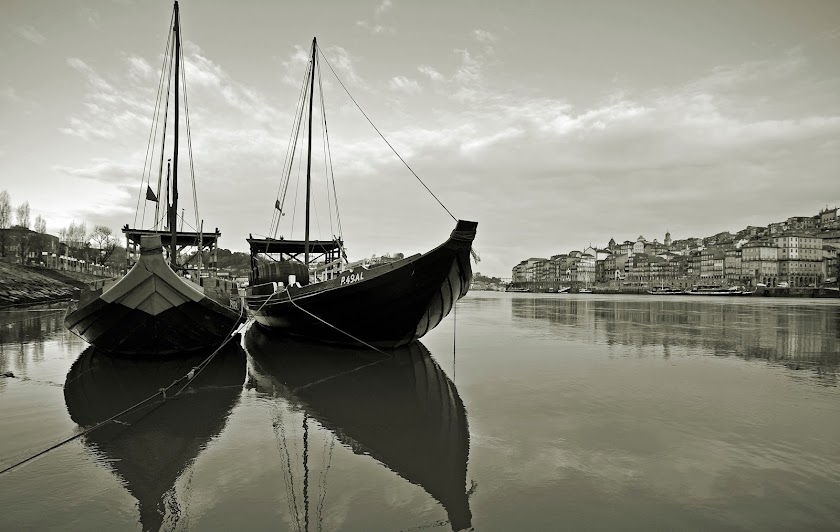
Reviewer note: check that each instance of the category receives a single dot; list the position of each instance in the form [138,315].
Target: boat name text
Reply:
[352,278]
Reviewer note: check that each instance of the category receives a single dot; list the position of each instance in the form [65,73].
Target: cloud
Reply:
[105,171]
[138,68]
[10,95]
[433,74]
[345,64]
[30,34]
[404,84]
[383,6]
[375,29]
[91,16]
[484,37]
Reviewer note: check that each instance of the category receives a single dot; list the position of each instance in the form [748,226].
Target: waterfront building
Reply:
[519,272]
[733,267]
[800,258]
[586,269]
[711,266]
[760,262]
[694,264]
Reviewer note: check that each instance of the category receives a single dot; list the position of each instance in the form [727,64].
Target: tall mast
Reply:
[309,157]
[173,212]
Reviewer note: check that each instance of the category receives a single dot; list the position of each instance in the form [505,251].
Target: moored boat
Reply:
[665,291]
[325,297]
[154,311]
[520,289]
[714,290]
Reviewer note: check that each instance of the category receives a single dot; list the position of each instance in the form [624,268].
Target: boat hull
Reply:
[151,312]
[386,306]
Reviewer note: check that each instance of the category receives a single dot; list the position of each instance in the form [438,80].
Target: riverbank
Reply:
[27,285]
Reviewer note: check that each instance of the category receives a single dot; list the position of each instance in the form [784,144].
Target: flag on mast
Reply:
[150,195]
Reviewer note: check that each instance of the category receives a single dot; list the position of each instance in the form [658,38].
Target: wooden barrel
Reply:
[280,271]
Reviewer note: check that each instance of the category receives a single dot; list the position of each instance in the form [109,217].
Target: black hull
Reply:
[151,312]
[151,447]
[402,410]
[386,306]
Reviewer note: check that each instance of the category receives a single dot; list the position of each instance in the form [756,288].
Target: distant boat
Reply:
[714,290]
[153,311]
[386,305]
[564,290]
[666,291]
[402,411]
[517,289]
[585,291]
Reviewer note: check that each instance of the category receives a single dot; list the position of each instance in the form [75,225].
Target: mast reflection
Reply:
[149,448]
[401,410]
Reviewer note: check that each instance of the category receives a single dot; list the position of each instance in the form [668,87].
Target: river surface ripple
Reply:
[543,412]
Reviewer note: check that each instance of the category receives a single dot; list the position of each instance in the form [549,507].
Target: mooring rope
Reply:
[325,322]
[189,377]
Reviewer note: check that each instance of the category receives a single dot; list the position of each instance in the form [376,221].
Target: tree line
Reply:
[97,245]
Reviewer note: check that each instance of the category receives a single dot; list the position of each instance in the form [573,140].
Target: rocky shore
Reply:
[25,285]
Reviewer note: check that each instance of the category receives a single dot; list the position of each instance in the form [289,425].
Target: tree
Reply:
[74,236]
[39,239]
[5,219]
[105,242]
[5,210]
[22,214]
[40,224]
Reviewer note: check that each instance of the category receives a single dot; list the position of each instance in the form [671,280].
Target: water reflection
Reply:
[26,329]
[403,410]
[800,336]
[151,447]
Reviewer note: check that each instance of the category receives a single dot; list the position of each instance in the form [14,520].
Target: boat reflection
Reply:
[401,410]
[151,447]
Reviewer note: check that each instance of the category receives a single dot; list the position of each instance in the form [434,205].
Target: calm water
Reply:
[552,412]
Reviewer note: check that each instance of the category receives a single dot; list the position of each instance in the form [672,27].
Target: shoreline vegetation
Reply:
[31,285]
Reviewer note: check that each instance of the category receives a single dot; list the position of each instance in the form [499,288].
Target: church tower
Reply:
[611,245]
[667,239]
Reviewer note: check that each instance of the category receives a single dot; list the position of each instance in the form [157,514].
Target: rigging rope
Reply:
[189,377]
[154,118]
[189,135]
[383,136]
[291,148]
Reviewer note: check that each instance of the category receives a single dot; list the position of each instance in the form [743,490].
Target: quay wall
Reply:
[25,285]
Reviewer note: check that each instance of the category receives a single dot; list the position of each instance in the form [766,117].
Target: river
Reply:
[520,412]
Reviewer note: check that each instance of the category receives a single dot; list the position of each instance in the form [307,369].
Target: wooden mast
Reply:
[173,210]
[309,157]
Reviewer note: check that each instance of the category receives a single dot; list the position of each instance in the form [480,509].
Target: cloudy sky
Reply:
[553,124]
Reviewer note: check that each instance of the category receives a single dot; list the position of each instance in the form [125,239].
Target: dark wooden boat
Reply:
[402,411]
[324,297]
[151,447]
[153,311]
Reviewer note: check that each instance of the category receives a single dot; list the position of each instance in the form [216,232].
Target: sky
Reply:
[553,124]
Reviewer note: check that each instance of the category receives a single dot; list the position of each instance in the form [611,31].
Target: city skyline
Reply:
[551,124]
